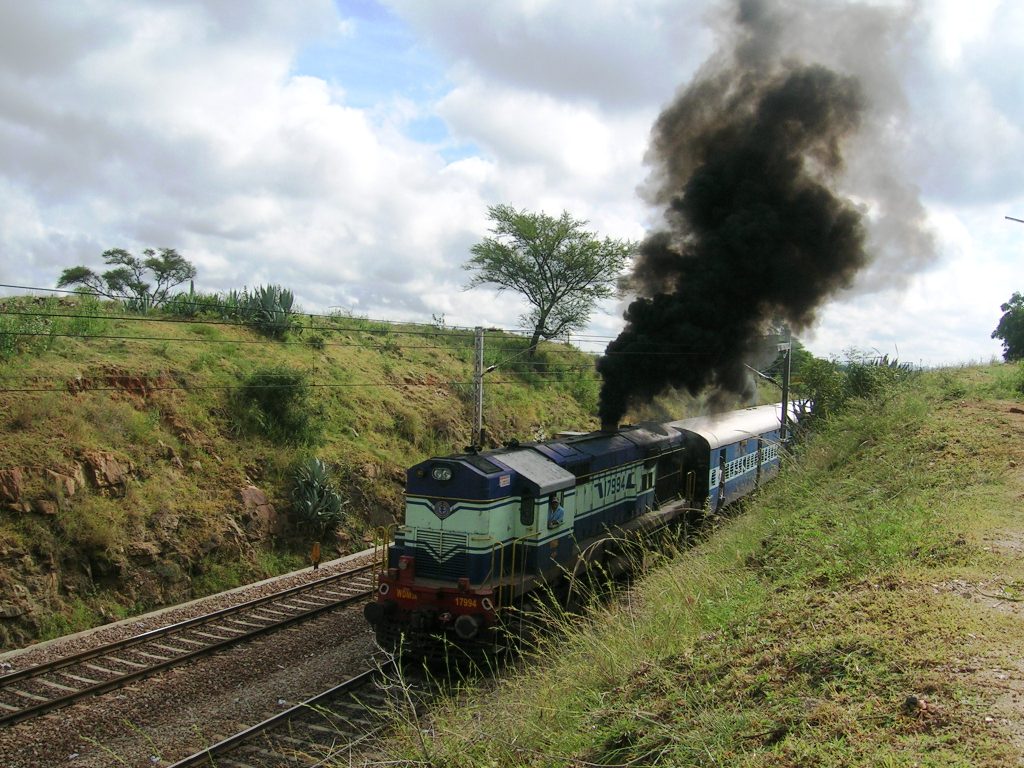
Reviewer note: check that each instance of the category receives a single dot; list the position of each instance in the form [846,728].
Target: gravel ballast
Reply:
[164,718]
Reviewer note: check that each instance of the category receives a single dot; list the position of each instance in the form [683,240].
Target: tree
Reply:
[128,279]
[556,264]
[1011,328]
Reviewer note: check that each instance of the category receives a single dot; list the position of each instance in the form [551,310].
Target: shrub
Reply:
[827,386]
[317,503]
[408,425]
[193,304]
[269,309]
[30,324]
[275,402]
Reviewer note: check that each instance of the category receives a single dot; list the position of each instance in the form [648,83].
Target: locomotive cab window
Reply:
[526,510]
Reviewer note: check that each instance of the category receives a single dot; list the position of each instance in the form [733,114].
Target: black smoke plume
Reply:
[744,159]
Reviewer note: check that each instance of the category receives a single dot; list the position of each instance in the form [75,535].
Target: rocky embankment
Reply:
[47,572]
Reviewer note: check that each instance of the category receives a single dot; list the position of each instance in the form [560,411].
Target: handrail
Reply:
[515,544]
[382,538]
[498,553]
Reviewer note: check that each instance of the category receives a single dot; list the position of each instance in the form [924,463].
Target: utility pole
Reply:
[787,348]
[478,383]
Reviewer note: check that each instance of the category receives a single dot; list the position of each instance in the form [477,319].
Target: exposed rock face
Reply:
[37,489]
[65,485]
[107,473]
[44,507]
[12,483]
[32,489]
[258,515]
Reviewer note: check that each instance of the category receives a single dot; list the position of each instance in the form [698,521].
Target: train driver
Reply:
[555,511]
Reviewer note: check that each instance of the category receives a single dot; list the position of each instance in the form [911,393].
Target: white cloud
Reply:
[190,125]
[619,54]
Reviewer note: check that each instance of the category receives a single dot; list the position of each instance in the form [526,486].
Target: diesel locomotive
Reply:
[485,529]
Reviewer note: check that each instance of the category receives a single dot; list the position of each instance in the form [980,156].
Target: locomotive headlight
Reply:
[441,473]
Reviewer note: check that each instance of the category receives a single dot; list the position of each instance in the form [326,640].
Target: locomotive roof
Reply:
[725,428]
[542,475]
[653,438]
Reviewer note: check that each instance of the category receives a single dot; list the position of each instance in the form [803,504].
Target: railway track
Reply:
[33,691]
[332,724]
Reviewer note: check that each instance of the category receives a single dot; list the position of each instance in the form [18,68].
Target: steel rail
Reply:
[205,756]
[38,671]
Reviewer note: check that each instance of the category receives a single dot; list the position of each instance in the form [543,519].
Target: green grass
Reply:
[376,398]
[794,633]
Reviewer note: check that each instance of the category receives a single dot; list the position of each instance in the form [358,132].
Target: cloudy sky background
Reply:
[349,150]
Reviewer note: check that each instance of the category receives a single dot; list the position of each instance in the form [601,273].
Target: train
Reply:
[485,529]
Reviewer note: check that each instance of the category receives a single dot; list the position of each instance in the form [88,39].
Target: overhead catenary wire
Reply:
[67,389]
[333,327]
[332,317]
[114,371]
[183,340]
[333,322]
[275,342]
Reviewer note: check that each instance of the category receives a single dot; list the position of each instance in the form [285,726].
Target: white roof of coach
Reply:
[726,428]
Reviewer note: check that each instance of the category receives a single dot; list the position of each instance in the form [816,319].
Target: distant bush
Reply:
[317,503]
[875,377]
[192,303]
[267,309]
[824,387]
[31,325]
[408,425]
[276,403]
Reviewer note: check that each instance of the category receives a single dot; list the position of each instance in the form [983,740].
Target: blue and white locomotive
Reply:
[482,530]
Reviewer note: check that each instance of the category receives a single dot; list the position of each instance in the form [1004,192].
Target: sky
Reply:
[349,150]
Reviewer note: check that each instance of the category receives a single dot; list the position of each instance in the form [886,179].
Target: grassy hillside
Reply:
[129,443]
[864,609]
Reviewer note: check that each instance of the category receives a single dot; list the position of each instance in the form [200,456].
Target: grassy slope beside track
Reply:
[865,609]
[158,395]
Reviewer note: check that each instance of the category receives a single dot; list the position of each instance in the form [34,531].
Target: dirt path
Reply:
[999,671]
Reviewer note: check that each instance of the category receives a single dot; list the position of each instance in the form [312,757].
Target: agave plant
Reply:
[317,503]
[232,305]
[188,303]
[140,305]
[270,309]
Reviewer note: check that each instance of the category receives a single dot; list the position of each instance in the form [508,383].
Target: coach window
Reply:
[526,510]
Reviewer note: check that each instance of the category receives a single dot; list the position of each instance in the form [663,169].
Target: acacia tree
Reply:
[560,267]
[1011,328]
[128,279]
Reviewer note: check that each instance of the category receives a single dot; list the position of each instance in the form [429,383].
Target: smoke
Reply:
[746,165]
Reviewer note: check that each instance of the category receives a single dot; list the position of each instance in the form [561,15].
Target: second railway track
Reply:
[330,725]
[35,690]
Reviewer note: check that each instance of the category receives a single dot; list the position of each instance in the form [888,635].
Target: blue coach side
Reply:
[732,453]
